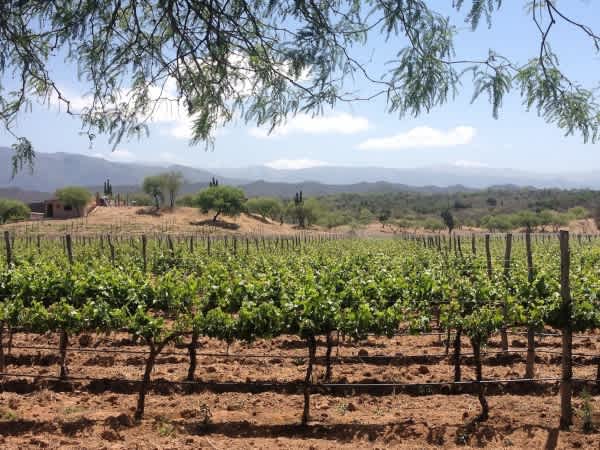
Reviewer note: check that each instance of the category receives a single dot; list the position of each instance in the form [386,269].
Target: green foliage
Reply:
[227,200]
[154,186]
[107,190]
[13,210]
[24,153]
[250,68]
[358,287]
[140,199]
[304,212]
[171,183]
[433,224]
[448,219]
[266,207]
[578,213]
[415,207]
[74,196]
[384,215]
[498,222]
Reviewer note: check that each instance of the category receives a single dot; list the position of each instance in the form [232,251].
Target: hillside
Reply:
[56,170]
[182,220]
[24,195]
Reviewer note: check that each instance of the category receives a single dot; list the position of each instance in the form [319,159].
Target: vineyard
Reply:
[296,321]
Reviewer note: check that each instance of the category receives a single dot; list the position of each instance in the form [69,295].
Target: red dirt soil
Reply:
[84,414]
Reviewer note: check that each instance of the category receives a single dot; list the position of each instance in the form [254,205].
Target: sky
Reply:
[459,133]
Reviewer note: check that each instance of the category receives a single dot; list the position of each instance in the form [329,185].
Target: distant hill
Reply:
[287,190]
[23,195]
[56,170]
[441,176]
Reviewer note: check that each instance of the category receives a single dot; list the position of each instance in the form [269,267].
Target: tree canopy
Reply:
[172,182]
[227,200]
[266,207]
[12,210]
[263,61]
[154,186]
[74,196]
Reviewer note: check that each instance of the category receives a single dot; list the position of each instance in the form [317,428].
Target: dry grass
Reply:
[180,220]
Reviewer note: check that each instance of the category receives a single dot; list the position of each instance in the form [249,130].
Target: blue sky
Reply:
[361,134]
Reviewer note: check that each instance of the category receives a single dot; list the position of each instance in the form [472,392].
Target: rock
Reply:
[423,370]
[188,413]
[121,421]
[211,369]
[518,343]
[363,352]
[13,403]
[110,435]
[85,340]
[351,407]
[38,443]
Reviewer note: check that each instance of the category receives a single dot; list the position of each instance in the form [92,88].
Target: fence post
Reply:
[566,387]
[530,366]
[507,252]
[170,245]
[144,256]
[112,249]
[488,256]
[69,244]
[8,247]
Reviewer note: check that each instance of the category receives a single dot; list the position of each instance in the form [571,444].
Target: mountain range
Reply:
[55,170]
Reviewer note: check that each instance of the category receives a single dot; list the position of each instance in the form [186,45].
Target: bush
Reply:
[265,207]
[499,222]
[154,186]
[140,199]
[187,200]
[578,213]
[226,200]
[432,224]
[13,210]
[74,196]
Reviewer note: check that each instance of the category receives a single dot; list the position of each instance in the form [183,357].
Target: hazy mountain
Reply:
[311,188]
[474,177]
[23,195]
[54,170]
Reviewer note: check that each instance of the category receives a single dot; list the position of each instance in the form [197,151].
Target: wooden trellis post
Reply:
[566,384]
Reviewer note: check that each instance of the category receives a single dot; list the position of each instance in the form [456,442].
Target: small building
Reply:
[56,209]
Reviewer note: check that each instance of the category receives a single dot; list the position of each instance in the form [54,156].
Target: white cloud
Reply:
[77,102]
[342,123]
[119,155]
[295,164]
[422,137]
[180,129]
[469,164]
